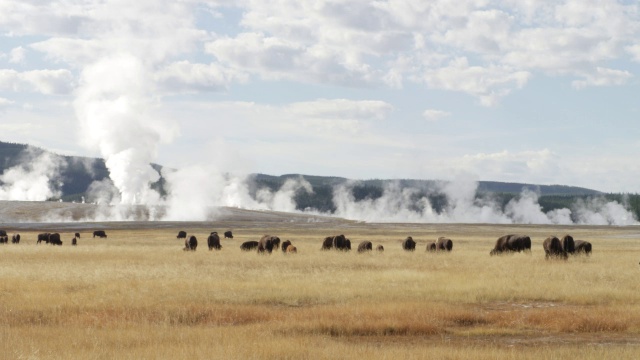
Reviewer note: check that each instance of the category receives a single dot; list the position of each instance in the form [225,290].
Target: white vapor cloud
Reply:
[48,82]
[434,115]
[412,205]
[36,178]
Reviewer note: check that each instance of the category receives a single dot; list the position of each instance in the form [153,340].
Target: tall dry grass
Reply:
[138,295]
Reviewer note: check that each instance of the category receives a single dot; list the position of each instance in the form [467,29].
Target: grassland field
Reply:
[137,295]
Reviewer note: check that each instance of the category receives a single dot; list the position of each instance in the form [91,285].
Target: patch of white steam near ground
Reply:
[399,204]
[195,192]
[31,180]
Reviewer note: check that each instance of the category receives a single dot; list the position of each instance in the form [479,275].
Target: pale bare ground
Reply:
[137,295]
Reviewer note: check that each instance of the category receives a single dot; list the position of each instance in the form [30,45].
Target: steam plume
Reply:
[36,178]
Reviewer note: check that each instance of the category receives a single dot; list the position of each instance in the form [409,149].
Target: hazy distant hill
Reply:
[77,174]
[483,186]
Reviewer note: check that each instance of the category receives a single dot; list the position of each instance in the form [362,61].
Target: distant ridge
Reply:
[483,186]
[78,173]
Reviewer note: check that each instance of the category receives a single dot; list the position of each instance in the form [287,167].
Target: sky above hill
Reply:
[517,90]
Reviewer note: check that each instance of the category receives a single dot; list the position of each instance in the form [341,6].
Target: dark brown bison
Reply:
[327,244]
[267,243]
[54,239]
[276,243]
[444,244]
[191,244]
[553,247]
[228,235]
[285,244]
[15,239]
[431,247]
[511,243]
[43,237]
[568,244]
[77,235]
[3,233]
[408,244]
[181,235]
[519,243]
[502,245]
[380,248]
[214,241]
[365,246]
[4,239]
[340,242]
[291,249]
[100,234]
[248,245]
[582,247]
[74,241]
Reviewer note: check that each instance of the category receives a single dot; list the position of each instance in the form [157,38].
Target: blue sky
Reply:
[524,91]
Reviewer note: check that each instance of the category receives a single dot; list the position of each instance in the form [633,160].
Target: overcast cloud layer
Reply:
[527,91]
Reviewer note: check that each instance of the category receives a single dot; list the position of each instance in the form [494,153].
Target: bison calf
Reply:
[365,246]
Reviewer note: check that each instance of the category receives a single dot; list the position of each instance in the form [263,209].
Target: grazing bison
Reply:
[431,247]
[181,235]
[365,246]
[582,246]
[191,244]
[380,248]
[74,241]
[4,239]
[502,245]
[267,243]
[553,247]
[44,237]
[285,245]
[248,245]
[100,234]
[339,242]
[291,249]
[568,244]
[327,244]
[444,244]
[511,243]
[54,239]
[408,244]
[276,243]
[214,241]
[15,239]
[519,243]
[228,235]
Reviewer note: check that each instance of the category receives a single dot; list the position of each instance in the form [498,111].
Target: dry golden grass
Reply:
[138,295]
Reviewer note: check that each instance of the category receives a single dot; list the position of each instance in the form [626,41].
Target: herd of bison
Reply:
[553,246]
